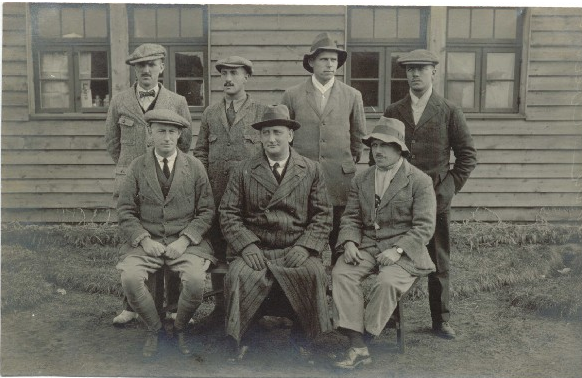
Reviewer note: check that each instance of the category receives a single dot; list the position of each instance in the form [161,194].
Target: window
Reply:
[70,45]
[377,36]
[483,58]
[182,30]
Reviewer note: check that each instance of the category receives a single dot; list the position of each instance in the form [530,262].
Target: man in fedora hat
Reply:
[226,137]
[389,219]
[276,218]
[434,126]
[125,127]
[165,208]
[332,120]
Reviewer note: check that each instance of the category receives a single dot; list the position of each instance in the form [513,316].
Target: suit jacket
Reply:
[442,127]
[332,137]
[220,147]
[255,209]
[406,217]
[126,130]
[188,209]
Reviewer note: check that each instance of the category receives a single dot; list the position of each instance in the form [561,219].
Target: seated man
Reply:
[165,208]
[389,219]
[276,217]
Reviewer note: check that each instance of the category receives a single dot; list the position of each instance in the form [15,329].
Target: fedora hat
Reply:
[323,42]
[389,130]
[276,115]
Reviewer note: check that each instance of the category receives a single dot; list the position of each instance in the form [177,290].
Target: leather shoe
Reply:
[125,317]
[183,345]
[150,348]
[444,330]
[355,357]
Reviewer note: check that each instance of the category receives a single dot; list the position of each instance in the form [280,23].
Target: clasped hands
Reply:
[253,256]
[353,256]
[171,251]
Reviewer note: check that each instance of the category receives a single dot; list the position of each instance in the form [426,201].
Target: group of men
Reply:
[269,188]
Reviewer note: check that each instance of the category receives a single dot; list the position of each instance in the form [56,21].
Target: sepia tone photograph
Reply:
[291,190]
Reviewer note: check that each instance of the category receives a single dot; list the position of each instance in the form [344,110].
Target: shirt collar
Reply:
[237,103]
[281,162]
[320,87]
[170,158]
[423,100]
[156,89]
[393,170]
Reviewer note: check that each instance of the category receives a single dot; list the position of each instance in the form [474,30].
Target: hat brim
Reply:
[171,123]
[219,67]
[367,140]
[342,56]
[293,125]
[417,62]
[131,62]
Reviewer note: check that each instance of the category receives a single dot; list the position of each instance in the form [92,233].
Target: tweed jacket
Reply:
[442,127]
[255,209]
[220,147]
[332,137]
[406,217]
[188,209]
[126,130]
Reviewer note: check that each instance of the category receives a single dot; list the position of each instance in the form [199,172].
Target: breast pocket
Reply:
[401,211]
[127,127]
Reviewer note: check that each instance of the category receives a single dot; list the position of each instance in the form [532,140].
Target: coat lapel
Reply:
[241,112]
[310,89]
[222,116]
[151,175]
[293,177]
[133,105]
[369,188]
[261,172]
[405,110]
[180,172]
[431,109]
[333,99]
[399,181]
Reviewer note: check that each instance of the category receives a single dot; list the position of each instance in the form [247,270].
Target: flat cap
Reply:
[235,62]
[145,52]
[166,116]
[419,56]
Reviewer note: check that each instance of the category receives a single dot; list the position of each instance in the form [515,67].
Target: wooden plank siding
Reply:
[55,168]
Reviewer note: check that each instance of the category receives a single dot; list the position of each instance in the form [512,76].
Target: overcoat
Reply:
[126,130]
[188,209]
[332,137]
[441,128]
[276,217]
[405,217]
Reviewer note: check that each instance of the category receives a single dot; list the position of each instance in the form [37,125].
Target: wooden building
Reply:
[517,72]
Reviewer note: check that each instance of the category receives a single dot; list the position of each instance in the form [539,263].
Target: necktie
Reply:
[166,168]
[230,113]
[276,172]
[150,93]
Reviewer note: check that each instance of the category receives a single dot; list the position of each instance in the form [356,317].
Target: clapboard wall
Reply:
[56,169]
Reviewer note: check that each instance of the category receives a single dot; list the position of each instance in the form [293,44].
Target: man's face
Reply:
[275,140]
[165,138]
[324,66]
[420,77]
[148,72]
[385,154]
[234,80]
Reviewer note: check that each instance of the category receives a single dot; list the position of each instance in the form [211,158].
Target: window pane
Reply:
[461,93]
[482,23]
[408,23]
[500,66]
[54,94]
[459,23]
[362,23]
[73,23]
[168,22]
[461,66]
[93,65]
[397,70]
[499,94]
[365,65]
[193,90]
[48,22]
[143,26]
[385,23]
[192,24]
[54,65]
[505,23]
[96,22]
[398,90]
[369,90]
[189,64]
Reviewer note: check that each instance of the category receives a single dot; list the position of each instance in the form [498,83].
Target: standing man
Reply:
[276,218]
[125,127]
[332,120]
[434,126]
[226,137]
[165,208]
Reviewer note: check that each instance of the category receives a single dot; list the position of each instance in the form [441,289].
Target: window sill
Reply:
[197,115]
[483,116]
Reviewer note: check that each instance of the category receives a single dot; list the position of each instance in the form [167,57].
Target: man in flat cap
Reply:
[434,127]
[165,208]
[275,216]
[389,219]
[125,127]
[333,122]
[226,137]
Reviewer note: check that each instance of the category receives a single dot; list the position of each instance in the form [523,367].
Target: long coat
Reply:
[406,217]
[220,147]
[188,209]
[332,137]
[441,128]
[126,130]
[276,217]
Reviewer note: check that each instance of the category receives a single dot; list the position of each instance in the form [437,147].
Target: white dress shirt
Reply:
[418,104]
[323,90]
[383,178]
[171,160]
[281,164]
[145,102]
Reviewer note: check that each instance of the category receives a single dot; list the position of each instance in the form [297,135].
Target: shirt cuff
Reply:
[141,237]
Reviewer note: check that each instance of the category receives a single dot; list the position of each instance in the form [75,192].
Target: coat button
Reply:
[267,211]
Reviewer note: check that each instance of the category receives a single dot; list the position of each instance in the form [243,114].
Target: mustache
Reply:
[229,84]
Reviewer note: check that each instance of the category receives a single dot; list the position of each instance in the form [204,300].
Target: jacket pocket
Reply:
[348,167]
[127,126]
[444,191]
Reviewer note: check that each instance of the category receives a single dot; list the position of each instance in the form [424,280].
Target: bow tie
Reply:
[143,94]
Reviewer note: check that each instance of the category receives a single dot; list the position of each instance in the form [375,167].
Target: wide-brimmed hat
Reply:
[323,42]
[235,62]
[277,115]
[389,130]
[166,116]
[420,57]
[145,52]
